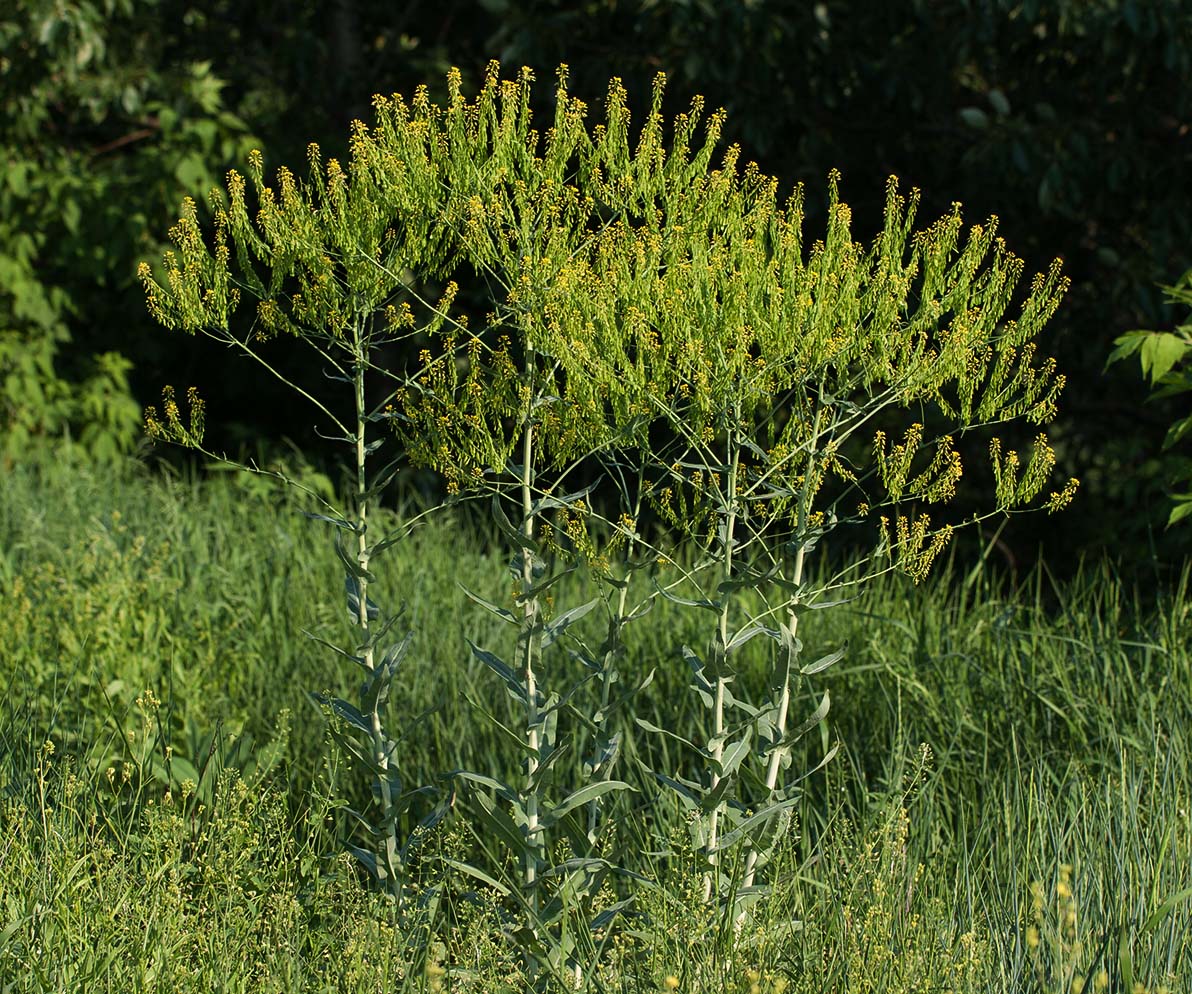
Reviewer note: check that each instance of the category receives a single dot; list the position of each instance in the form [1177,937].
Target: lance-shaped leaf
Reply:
[667,733]
[348,712]
[503,613]
[703,602]
[818,715]
[734,754]
[331,520]
[505,526]
[546,765]
[352,589]
[358,660]
[503,790]
[578,798]
[825,661]
[538,588]
[548,502]
[558,625]
[748,632]
[511,737]
[477,874]
[512,681]
[753,823]
[351,563]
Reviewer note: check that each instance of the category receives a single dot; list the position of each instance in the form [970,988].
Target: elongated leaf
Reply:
[735,754]
[746,580]
[605,917]
[503,613]
[358,660]
[748,632]
[548,502]
[502,669]
[369,860]
[791,791]
[351,563]
[579,864]
[395,654]
[689,793]
[352,588]
[358,751]
[547,764]
[755,821]
[542,585]
[349,713]
[582,796]
[507,733]
[505,526]
[483,780]
[641,612]
[501,826]
[666,732]
[376,689]
[732,701]
[338,522]
[378,632]
[825,661]
[558,625]
[713,798]
[818,715]
[478,874]
[697,667]
[1125,958]
[686,602]
[1167,907]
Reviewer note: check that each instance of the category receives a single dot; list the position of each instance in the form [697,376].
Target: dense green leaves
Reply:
[1163,355]
[99,133]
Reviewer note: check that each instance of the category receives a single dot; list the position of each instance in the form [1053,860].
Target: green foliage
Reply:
[1162,355]
[1056,719]
[98,132]
[656,315]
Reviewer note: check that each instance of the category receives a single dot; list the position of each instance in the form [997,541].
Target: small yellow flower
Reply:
[671,983]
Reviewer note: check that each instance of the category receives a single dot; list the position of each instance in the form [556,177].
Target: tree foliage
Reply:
[99,132]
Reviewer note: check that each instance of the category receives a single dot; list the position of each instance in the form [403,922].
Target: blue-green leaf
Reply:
[558,625]
[502,669]
[503,613]
[825,661]
[582,796]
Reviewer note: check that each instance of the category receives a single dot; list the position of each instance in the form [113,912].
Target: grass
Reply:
[1009,810]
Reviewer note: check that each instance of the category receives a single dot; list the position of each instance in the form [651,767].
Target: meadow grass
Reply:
[1009,810]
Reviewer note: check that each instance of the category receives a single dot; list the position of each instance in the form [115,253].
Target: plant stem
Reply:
[530,642]
[380,755]
[720,652]
[789,637]
[613,649]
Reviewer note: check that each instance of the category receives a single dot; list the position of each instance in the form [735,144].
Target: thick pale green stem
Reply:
[774,764]
[721,652]
[380,754]
[530,649]
[613,650]
[529,622]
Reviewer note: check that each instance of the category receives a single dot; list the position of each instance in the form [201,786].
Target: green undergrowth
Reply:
[1009,810]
